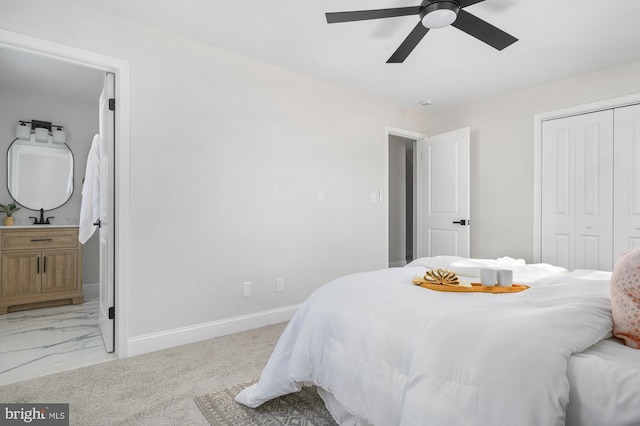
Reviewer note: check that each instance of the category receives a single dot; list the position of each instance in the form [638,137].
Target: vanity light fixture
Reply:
[58,135]
[43,131]
[42,134]
[23,130]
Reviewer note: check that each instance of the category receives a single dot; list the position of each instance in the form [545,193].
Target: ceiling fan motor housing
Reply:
[439,14]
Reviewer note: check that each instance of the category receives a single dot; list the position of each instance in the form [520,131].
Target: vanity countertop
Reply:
[52,225]
[28,224]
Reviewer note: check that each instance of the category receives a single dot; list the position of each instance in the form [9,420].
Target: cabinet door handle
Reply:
[35,240]
[38,268]
[44,267]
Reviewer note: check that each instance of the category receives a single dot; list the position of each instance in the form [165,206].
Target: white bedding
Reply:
[605,385]
[604,378]
[392,353]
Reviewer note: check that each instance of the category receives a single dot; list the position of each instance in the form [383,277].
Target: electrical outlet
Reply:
[246,288]
[279,284]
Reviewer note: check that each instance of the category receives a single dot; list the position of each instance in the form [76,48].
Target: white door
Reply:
[106,231]
[443,194]
[577,191]
[558,196]
[626,230]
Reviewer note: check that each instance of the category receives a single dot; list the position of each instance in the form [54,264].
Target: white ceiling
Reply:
[557,39]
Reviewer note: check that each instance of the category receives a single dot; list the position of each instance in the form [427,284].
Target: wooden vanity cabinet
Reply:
[39,267]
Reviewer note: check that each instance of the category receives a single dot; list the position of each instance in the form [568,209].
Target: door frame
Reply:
[538,119]
[120,68]
[407,134]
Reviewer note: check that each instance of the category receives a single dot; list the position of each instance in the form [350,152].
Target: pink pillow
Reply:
[625,298]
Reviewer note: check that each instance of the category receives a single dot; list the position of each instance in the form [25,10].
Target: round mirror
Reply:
[39,175]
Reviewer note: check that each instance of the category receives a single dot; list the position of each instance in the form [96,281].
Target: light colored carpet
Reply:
[152,389]
[304,408]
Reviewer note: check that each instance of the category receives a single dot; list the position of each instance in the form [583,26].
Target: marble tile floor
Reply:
[44,341]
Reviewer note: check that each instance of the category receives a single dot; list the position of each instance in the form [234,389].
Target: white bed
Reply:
[383,351]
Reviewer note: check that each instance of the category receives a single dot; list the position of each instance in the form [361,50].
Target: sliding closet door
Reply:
[577,191]
[627,179]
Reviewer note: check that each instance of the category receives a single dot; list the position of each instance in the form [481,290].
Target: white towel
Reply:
[90,206]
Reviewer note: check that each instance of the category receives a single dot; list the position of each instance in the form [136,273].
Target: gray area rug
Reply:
[304,408]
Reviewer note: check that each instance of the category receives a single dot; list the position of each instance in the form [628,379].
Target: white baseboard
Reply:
[181,336]
[90,289]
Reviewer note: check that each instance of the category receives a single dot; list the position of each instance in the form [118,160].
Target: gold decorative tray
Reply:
[475,287]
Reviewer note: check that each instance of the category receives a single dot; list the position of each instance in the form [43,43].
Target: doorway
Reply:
[120,174]
[402,200]
[428,195]
[37,87]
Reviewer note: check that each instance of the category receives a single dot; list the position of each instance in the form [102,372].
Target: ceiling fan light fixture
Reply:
[439,14]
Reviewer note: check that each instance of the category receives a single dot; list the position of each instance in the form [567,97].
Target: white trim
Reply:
[120,68]
[538,119]
[388,131]
[209,330]
[403,133]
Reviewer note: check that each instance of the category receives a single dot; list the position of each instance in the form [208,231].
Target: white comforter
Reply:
[392,353]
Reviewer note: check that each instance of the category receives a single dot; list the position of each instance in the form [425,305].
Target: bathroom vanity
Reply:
[39,266]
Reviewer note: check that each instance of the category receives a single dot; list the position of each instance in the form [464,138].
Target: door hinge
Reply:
[112,104]
[112,312]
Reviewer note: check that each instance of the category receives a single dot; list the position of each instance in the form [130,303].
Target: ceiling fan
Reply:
[433,14]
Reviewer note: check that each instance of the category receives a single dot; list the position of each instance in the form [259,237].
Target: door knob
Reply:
[460,222]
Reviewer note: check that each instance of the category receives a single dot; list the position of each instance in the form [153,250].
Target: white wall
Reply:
[502,153]
[239,172]
[80,121]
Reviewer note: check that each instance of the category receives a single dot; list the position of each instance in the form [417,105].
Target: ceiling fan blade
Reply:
[409,43]
[362,15]
[465,3]
[482,30]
